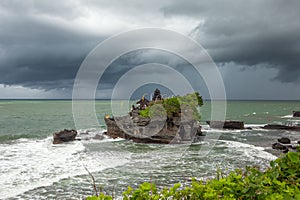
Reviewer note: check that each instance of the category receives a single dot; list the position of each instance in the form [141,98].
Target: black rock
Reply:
[227,124]
[64,136]
[279,146]
[199,131]
[284,140]
[167,133]
[285,151]
[296,113]
[294,147]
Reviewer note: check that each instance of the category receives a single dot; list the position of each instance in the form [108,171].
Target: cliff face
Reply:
[145,130]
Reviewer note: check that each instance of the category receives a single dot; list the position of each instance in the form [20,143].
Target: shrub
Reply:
[280,181]
[174,105]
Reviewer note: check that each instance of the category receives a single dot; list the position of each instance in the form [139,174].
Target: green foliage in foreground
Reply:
[280,181]
[173,106]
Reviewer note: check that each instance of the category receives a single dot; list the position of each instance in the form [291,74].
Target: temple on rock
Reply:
[169,120]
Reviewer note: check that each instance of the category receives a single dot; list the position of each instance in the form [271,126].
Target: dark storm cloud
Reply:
[136,58]
[42,43]
[129,61]
[248,32]
[37,53]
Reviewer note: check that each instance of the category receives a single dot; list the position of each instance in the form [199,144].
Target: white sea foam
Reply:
[28,164]
[251,152]
[215,130]
[254,125]
[206,127]
[287,116]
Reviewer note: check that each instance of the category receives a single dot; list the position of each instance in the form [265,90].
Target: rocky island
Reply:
[165,121]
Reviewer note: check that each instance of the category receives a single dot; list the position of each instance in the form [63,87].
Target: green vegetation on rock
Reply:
[280,181]
[174,105]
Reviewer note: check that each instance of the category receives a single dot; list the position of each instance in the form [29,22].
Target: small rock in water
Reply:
[285,151]
[285,145]
[279,146]
[296,113]
[284,140]
[64,136]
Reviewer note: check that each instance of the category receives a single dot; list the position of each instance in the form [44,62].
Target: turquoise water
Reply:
[32,168]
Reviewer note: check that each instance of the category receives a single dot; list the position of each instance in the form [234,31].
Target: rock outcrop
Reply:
[281,127]
[296,113]
[284,140]
[143,130]
[64,136]
[170,120]
[228,124]
[285,145]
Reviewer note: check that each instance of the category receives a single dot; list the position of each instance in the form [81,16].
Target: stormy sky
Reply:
[255,44]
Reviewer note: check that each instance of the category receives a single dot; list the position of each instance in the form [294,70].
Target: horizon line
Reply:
[107,99]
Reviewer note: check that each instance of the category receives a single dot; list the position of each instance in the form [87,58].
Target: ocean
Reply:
[31,167]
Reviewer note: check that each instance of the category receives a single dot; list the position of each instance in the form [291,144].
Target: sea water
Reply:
[31,167]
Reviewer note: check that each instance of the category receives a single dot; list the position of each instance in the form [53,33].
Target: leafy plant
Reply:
[175,105]
[100,197]
[145,112]
[280,181]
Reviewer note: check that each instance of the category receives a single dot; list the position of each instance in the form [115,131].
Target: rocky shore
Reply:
[285,145]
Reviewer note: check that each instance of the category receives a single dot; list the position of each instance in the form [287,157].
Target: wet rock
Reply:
[285,145]
[284,140]
[199,131]
[165,131]
[64,136]
[294,147]
[279,146]
[296,113]
[286,150]
[228,124]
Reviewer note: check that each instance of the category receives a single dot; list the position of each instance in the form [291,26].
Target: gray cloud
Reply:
[37,54]
[132,59]
[248,33]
